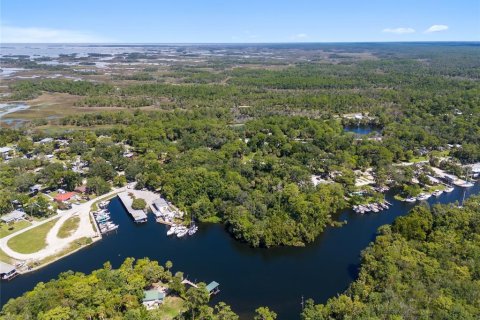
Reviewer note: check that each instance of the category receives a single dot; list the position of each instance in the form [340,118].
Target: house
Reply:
[35,188]
[152,298]
[450,178]
[4,151]
[13,216]
[45,140]
[81,189]
[61,197]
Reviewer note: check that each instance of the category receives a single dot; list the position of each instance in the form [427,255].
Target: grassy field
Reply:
[32,240]
[6,229]
[68,227]
[5,258]
[75,245]
[170,308]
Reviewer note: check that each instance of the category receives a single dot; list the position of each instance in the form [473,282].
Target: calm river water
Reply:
[248,277]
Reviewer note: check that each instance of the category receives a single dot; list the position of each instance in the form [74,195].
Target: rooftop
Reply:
[160,202]
[6,268]
[138,215]
[153,295]
[212,286]
[14,215]
[64,196]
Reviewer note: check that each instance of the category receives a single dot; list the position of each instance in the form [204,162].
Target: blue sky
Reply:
[180,21]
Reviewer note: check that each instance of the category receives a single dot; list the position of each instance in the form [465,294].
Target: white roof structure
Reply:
[13,216]
[6,268]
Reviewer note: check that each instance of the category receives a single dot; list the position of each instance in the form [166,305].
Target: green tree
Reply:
[196,298]
[98,186]
[264,313]
[139,204]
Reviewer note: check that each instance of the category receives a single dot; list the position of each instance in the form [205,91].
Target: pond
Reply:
[361,130]
[248,277]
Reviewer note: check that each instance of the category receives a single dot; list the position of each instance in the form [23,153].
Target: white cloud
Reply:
[299,36]
[436,28]
[11,34]
[399,30]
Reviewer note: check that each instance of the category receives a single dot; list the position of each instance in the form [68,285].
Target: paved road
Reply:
[55,244]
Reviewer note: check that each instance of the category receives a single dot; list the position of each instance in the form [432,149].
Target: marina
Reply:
[214,254]
[139,216]
[104,223]
[372,207]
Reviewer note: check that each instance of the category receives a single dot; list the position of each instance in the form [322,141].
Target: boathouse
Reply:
[213,287]
[137,215]
[7,271]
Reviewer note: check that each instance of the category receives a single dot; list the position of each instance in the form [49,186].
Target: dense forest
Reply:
[424,266]
[110,293]
[237,140]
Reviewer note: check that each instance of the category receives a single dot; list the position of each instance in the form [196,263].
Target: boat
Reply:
[182,232]
[172,230]
[424,196]
[467,185]
[192,230]
[411,199]
[437,193]
[449,189]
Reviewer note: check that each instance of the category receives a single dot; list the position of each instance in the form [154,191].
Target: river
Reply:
[248,277]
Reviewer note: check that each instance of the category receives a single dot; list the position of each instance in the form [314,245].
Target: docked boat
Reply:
[449,189]
[467,185]
[172,230]
[192,230]
[437,193]
[182,232]
[411,199]
[424,196]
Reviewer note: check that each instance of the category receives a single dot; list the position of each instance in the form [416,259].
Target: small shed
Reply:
[213,287]
[13,216]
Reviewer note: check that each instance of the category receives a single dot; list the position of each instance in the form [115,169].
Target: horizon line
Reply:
[249,43]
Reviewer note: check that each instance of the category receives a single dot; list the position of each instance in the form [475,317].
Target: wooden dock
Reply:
[137,215]
[186,281]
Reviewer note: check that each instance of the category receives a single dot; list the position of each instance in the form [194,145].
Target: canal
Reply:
[248,277]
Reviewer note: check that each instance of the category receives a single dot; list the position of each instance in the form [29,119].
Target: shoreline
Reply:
[91,240]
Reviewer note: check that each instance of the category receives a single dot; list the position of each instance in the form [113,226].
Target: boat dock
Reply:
[137,215]
[7,271]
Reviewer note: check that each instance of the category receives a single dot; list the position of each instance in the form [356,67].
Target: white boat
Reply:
[172,230]
[182,232]
[437,193]
[449,189]
[411,199]
[424,196]
[467,185]
[192,230]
